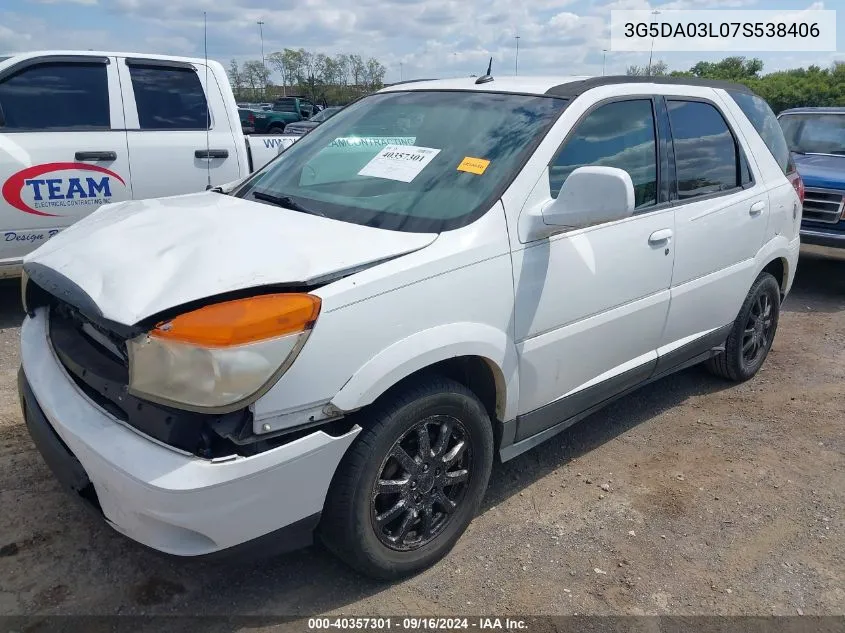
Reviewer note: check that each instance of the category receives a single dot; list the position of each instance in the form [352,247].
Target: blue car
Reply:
[816,138]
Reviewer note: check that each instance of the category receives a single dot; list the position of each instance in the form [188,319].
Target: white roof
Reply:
[525,85]
[175,58]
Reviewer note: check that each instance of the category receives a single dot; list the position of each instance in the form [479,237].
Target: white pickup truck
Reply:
[82,129]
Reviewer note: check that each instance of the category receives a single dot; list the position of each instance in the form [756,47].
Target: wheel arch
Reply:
[478,356]
[778,257]
[779,269]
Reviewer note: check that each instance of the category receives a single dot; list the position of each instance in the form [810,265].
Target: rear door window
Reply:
[169,98]
[707,157]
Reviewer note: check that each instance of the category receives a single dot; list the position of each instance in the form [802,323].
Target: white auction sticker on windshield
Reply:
[399,162]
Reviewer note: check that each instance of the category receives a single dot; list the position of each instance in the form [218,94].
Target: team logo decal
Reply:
[47,189]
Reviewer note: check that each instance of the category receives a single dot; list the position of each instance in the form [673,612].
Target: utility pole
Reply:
[263,63]
[648,73]
[603,60]
[516,62]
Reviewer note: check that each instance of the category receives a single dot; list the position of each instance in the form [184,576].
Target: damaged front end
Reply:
[95,354]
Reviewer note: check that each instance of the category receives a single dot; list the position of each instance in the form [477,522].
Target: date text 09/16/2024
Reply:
[416,623]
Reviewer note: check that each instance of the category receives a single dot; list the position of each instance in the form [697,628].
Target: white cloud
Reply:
[429,38]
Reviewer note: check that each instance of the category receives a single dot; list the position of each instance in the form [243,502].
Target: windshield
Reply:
[418,161]
[815,133]
[324,114]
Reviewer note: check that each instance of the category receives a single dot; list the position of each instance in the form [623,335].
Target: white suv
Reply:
[443,272]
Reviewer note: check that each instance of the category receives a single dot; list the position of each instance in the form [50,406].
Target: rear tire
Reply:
[411,483]
[752,333]
[276,129]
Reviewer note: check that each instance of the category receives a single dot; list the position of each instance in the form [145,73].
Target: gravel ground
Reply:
[692,496]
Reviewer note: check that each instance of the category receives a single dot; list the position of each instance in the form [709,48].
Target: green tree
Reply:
[658,68]
[374,74]
[729,69]
[236,78]
[288,64]
[256,75]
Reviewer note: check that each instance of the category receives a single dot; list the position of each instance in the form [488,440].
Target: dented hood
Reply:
[132,260]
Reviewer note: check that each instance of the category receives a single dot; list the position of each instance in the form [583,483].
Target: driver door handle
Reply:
[95,156]
[211,153]
[658,238]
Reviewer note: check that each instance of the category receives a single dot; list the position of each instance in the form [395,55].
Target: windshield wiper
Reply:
[285,201]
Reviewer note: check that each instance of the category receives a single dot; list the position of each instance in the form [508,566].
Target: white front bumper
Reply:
[169,500]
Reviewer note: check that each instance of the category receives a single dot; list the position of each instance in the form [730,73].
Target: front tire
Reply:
[411,483]
[752,333]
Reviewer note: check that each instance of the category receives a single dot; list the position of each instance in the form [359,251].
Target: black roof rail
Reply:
[409,81]
[576,88]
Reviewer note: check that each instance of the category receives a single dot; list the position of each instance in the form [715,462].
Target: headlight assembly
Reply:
[218,358]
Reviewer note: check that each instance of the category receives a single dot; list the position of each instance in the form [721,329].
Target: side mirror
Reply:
[591,195]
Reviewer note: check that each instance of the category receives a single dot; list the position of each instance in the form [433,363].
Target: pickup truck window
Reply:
[57,96]
[169,98]
[706,154]
[816,132]
[619,134]
[418,161]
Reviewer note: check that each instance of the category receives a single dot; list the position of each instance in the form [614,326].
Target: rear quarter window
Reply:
[767,126]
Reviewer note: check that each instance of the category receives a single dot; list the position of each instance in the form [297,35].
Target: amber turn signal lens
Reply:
[242,320]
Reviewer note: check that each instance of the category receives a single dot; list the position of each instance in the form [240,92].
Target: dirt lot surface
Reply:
[692,496]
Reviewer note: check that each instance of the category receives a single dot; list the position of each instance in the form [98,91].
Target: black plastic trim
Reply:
[211,153]
[669,362]
[145,62]
[569,407]
[533,428]
[576,88]
[669,183]
[53,59]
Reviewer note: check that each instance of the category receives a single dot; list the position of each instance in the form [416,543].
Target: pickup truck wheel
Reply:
[752,333]
[413,480]
[276,128]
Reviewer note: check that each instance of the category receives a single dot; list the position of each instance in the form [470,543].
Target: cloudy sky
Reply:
[417,38]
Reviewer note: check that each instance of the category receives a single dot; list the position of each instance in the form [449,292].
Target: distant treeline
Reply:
[335,79]
[811,86]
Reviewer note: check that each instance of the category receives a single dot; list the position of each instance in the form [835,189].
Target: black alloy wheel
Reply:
[752,333]
[413,479]
[421,483]
[757,336]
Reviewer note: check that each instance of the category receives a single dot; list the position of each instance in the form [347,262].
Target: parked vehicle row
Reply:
[83,129]
[339,344]
[303,127]
[255,106]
